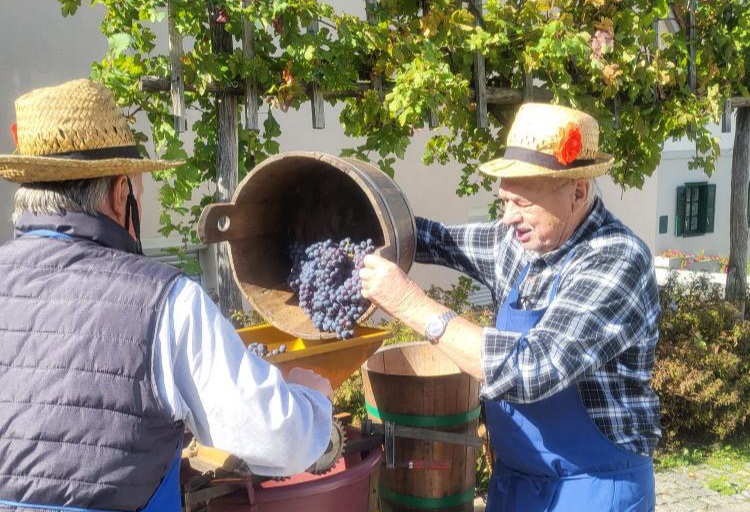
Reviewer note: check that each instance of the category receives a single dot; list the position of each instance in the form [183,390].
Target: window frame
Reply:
[696,209]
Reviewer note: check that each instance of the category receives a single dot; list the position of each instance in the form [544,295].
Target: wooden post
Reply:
[528,86]
[726,117]
[657,40]
[372,19]
[226,167]
[251,89]
[318,116]
[503,96]
[738,226]
[480,80]
[432,117]
[692,79]
[177,87]
[616,104]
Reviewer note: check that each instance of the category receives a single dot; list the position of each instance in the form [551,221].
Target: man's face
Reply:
[541,211]
[138,188]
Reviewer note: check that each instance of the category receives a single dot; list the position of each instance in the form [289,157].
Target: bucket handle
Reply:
[215,224]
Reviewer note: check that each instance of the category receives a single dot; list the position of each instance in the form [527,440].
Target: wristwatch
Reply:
[436,325]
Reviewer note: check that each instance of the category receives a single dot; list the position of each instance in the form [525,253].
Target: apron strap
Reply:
[558,274]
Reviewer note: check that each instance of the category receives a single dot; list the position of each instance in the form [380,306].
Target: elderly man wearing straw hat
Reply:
[105,354]
[566,369]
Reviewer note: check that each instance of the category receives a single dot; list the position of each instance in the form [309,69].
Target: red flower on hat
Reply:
[14,133]
[569,146]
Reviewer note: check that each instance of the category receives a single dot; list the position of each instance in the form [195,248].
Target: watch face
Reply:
[435,328]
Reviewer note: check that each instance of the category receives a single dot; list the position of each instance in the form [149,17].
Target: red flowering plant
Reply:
[570,144]
[688,259]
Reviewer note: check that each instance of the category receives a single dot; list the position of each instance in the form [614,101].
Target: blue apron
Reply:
[166,498]
[551,456]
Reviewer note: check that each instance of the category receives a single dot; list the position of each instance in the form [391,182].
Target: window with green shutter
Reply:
[696,209]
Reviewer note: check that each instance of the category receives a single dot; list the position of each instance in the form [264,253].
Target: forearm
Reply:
[461,341]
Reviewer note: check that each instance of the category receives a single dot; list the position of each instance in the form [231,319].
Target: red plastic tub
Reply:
[348,487]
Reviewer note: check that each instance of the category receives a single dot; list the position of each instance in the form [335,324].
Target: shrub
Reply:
[702,371]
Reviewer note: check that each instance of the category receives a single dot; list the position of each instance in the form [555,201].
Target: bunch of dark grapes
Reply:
[325,276]
[261,349]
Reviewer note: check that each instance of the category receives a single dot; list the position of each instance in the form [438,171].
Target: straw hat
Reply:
[72,131]
[553,141]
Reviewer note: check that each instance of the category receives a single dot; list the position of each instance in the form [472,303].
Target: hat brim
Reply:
[502,168]
[34,169]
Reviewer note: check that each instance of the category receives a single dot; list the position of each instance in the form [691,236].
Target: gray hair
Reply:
[594,192]
[59,197]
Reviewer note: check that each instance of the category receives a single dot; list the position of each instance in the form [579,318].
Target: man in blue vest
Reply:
[566,368]
[106,355]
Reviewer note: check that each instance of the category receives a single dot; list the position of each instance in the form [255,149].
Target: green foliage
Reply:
[241,319]
[702,372]
[349,397]
[601,56]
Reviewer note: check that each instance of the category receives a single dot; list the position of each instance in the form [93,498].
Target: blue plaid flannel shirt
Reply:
[599,332]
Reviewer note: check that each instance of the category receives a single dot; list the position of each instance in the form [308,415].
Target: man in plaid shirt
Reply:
[567,367]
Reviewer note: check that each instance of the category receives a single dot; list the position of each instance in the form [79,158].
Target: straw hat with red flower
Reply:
[551,141]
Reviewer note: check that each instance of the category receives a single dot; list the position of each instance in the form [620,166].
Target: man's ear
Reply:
[118,198]
[581,193]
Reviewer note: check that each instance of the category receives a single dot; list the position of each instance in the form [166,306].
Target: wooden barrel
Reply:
[415,385]
[305,197]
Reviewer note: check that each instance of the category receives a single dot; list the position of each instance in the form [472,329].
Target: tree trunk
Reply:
[738,227]
[226,168]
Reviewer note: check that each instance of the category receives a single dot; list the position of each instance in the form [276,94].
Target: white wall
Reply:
[635,208]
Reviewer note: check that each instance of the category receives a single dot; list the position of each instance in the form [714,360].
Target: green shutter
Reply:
[663,224]
[710,207]
[679,217]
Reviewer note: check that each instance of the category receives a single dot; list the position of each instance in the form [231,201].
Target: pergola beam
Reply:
[494,95]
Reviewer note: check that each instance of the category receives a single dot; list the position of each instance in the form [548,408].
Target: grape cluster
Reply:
[325,276]
[261,349]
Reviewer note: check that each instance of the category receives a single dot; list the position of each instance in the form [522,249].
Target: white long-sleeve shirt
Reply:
[229,398]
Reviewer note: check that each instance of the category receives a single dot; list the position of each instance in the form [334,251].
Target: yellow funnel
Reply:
[334,359]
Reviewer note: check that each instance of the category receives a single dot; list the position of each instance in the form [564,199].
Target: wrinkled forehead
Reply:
[530,188]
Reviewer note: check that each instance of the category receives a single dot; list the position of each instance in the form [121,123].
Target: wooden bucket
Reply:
[306,197]
[416,385]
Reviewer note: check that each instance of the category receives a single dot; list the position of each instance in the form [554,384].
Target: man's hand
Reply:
[385,284]
[310,379]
